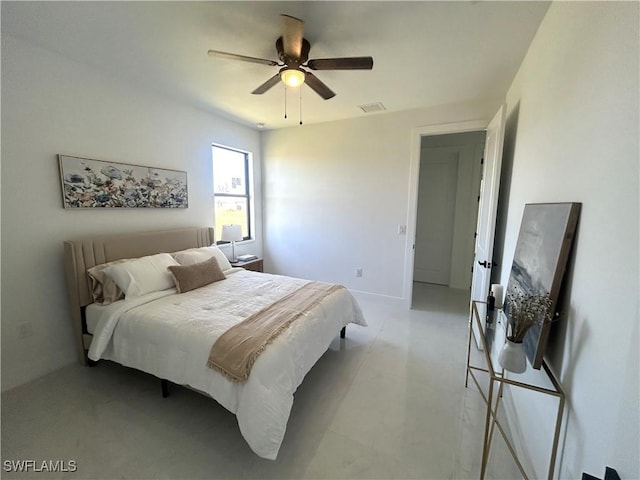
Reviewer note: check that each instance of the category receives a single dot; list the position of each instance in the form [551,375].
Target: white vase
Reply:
[512,357]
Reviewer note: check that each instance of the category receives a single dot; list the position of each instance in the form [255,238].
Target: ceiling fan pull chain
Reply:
[300,87]
[285,100]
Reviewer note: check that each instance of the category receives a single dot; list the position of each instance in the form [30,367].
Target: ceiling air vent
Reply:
[372,107]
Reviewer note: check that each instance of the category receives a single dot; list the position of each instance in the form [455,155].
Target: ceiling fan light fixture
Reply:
[292,77]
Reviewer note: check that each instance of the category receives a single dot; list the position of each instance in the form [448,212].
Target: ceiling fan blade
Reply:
[267,85]
[317,86]
[347,63]
[292,34]
[233,56]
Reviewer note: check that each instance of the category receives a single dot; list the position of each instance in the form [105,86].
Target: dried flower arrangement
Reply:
[526,310]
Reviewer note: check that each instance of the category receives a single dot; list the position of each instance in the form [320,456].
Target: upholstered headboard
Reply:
[84,253]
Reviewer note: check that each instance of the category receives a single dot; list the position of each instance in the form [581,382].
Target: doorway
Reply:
[448,187]
[449,170]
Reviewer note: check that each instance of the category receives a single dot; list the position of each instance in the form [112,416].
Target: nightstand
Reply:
[254,265]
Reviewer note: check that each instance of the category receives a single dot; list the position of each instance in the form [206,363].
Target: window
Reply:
[232,190]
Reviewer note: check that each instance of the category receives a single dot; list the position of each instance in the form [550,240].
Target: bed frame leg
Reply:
[91,363]
[343,332]
[165,388]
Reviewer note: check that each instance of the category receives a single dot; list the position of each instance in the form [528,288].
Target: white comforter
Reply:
[170,336]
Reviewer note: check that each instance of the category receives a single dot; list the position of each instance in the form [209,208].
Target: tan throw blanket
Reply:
[236,350]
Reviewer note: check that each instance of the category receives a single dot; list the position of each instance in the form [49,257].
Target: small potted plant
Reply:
[523,311]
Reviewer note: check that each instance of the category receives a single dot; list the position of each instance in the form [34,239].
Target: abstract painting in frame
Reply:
[88,183]
[539,262]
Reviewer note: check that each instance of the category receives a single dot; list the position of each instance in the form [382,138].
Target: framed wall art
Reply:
[88,183]
[539,262]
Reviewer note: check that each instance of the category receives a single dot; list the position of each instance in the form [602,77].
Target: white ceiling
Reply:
[425,53]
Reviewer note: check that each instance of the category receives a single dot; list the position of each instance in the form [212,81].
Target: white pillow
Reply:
[202,254]
[143,275]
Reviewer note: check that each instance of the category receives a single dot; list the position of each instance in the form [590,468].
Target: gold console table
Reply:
[498,378]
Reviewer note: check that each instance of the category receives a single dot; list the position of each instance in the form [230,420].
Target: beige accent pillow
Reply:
[103,289]
[190,277]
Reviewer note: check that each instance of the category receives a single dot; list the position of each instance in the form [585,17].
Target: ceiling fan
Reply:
[293,52]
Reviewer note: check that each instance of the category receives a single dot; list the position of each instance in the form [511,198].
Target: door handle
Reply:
[485,264]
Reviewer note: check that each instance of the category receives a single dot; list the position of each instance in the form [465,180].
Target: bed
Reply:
[170,335]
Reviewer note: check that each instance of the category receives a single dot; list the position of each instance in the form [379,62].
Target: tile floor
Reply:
[388,402]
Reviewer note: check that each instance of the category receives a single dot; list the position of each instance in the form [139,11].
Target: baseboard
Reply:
[514,432]
[376,297]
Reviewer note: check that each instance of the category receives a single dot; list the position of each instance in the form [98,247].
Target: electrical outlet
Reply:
[25,330]
[402,229]
[358,272]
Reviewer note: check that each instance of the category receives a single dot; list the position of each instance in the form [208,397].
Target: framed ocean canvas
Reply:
[540,259]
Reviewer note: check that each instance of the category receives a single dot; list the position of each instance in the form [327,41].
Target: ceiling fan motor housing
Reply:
[293,61]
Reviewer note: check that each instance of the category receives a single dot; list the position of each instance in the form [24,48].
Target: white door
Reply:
[436,214]
[487,210]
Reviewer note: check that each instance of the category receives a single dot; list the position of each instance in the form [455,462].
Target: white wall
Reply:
[335,194]
[51,105]
[573,136]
